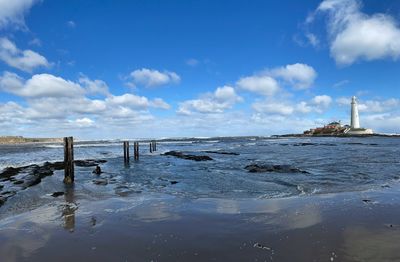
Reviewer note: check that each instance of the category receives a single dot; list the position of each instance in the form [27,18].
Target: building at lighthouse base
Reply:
[359,131]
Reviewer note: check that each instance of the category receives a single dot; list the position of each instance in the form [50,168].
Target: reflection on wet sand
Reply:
[68,210]
[288,213]
[159,211]
[363,244]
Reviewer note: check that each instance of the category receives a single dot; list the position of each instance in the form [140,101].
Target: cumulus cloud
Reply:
[25,60]
[317,104]
[12,12]
[152,78]
[322,100]
[261,84]
[356,36]
[94,86]
[269,82]
[300,76]
[159,103]
[223,98]
[41,85]
[50,99]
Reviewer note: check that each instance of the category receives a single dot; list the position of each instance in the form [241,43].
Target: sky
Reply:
[109,69]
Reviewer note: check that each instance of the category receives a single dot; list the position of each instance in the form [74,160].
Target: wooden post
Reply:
[136,150]
[151,147]
[126,151]
[68,160]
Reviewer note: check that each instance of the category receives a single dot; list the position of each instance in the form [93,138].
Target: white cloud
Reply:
[356,36]
[322,101]
[223,98]
[25,60]
[273,108]
[317,104]
[267,83]
[41,85]
[128,100]
[94,86]
[152,78]
[12,12]
[159,103]
[84,122]
[304,108]
[261,84]
[300,76]
[54,102]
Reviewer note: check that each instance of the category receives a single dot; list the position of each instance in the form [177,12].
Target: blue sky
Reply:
[127,69]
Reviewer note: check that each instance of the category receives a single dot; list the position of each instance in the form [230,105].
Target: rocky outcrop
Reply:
[254,168]
[187,156]
[14,179]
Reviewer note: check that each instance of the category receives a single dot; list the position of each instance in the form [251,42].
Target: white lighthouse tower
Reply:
[355,128]
[355,119]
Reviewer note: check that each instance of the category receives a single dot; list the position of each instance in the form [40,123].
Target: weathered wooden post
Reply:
[68,160]
[155,146]
[151,147]
[136,150]
[126,151]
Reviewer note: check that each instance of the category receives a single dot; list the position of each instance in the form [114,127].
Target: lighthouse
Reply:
[355,128]
[355,119]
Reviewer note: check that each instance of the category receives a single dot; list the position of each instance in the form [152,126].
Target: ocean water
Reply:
[332,164]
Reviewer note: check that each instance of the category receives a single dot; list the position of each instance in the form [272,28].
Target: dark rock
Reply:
[9,172]
[57,194]
[222,153]
[173,182]
[304,144]
[33,180]
[18,182]
[187,156]
[100,182]
[97,170]
[254,168]
[88,162]
[55,165]
[367,201]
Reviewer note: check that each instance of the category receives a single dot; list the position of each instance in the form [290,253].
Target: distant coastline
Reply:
[337,135]
[23,140]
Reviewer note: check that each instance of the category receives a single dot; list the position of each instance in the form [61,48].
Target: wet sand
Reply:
[361,226]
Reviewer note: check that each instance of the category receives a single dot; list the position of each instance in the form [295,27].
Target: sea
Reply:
[327,165]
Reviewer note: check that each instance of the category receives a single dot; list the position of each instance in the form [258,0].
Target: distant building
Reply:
[335,128]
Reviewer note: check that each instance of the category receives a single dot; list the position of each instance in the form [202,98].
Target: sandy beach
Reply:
[360,226]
